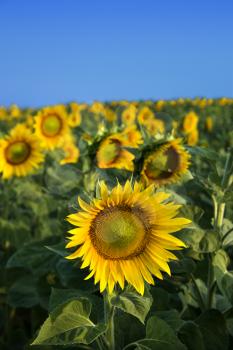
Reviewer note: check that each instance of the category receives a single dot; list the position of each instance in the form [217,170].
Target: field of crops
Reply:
[116,226]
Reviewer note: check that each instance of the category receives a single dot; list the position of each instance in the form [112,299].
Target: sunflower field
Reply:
[116,226]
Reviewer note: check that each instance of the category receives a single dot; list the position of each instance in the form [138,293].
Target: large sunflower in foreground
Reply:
[166,165]
[20,152]
[112,152]
[125,235]
[51,126]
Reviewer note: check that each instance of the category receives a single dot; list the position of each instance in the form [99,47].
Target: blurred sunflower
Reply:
[74,117]
[51,126]
[128,116]
[125,235]
[144,115]
[166,165]
[155,126]
[109,115]
[133,137]
[111,153]
[209,124]
[190,122]
[20,152]
[193,137]
[71,151]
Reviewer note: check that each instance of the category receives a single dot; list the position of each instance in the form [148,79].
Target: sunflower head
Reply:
[209,124]
[193,137]
[125,235]
[129,115]
[70,149]
[190,122]
[155,126]
[166,165]
[51,126]
[20,152]
[144,115]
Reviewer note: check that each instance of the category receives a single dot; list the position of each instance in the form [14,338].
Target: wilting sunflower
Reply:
[125,235]
[20,152]
[111,153]
[51,126]
[166,165]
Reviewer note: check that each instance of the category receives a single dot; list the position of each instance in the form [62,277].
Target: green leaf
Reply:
[213,328]
[131,302]
[23,293]
[69,324]
[191,336]
[34,257]
[172,318]
[163,336]
[203,152]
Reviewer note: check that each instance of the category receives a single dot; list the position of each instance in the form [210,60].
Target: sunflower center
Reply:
[51,125]
[164,165]
[17,152]
[110,151]
[118,233]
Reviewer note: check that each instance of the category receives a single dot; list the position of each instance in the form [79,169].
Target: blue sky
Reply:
[55,51]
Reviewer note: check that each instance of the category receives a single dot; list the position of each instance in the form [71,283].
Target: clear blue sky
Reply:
[55,51]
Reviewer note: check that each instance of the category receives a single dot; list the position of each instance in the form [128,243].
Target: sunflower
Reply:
[190,122]
[109,115]
[111,153]
[133,137]
[166,165]
[74,117]
[144,115]
[20,152]
[125,235]
[51,126]
[71,150]
[193,137]
[128,116]
[155,126]
[209,124]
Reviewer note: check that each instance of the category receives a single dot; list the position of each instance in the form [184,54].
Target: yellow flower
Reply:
[111,153]
[51,126]
[209,124]
[129,115]
[109,114]
[15,111]
[155,126]
[193,137]
[159,105]
[20,152]
[71,153]
[190,122]
[144,115]
[133,137]
[3,113]
[74,117]
[166,165]
[125,236]
[97,108]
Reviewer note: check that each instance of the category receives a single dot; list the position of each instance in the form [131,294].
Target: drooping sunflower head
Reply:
[125,235]
[51,125]
[190,122]
[166,165]
[111,153]
[20,152]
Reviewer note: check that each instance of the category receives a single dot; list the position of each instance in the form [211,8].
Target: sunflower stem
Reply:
[109,312]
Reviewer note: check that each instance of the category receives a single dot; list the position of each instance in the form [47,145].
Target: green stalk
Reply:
[109,313]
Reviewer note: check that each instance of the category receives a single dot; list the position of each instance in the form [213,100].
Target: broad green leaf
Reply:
[161,336]
[214,331]
[191,336]
[23,293]
[131,302]
[171,317]
[69,324]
